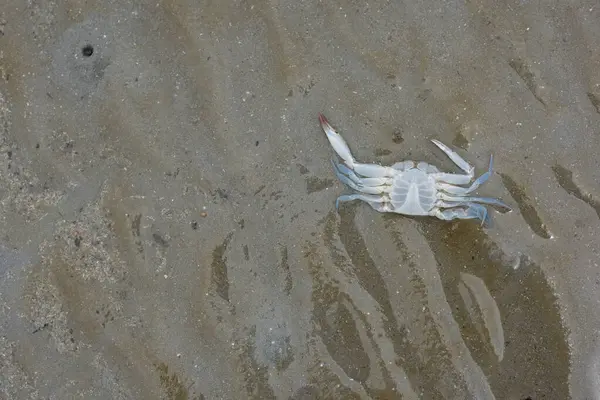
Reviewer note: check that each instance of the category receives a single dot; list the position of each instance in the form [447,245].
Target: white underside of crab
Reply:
[409,187]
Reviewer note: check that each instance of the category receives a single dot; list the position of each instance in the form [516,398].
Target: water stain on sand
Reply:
[424,367]
[337,329]
[339,332]
[219,269]
[315,184]
[536,352]
[565,180]
[172,385]
[255,377]
[526,206]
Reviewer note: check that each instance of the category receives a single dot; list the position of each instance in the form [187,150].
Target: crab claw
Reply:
[323,120]
[337,142]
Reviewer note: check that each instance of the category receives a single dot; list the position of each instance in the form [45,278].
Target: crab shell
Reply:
[409,187]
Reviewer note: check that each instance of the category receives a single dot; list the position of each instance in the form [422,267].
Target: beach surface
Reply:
[167,201]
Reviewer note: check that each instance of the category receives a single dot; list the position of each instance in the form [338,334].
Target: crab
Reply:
[412,188]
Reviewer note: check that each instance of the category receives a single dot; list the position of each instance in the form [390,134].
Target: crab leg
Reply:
[337,141]
[446,204]
[483,200]
[459,179]
[342,169]
[378,203]
[446,181]
[373,170]
[458,160]
[341,148]
[472,211]
[484,177]
[358,187]
[449,179]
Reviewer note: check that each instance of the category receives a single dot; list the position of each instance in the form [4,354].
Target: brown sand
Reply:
[168,222]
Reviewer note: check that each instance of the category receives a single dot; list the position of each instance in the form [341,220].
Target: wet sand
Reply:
[168,204]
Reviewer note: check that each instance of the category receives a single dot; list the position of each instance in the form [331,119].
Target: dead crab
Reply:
[411,188]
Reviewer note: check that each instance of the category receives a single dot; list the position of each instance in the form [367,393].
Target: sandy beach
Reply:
[167,200]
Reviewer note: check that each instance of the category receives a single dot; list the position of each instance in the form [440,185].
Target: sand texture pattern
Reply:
[167,204]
